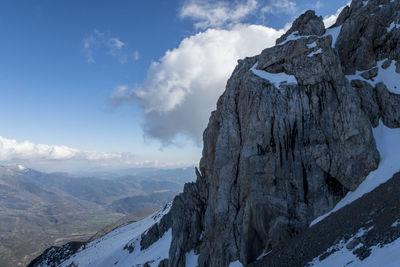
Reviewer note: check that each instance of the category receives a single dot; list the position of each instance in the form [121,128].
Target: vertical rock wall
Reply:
[278,154]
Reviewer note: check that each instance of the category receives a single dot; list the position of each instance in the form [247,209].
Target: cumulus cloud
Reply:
[63,158]
[330,20]
[13,150]
[182,88]
[216,13]
[98,40]
[280,7]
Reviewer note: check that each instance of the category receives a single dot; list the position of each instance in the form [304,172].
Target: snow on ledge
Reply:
[319,51]
[236,264]
[312,45]
[191,259]
[388,76]
[334,32]
[388,144]
[276,79]
[292,37]
[392,26]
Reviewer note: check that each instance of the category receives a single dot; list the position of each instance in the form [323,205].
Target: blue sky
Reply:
[123,83]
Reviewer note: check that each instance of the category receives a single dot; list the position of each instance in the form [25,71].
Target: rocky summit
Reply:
[291,136]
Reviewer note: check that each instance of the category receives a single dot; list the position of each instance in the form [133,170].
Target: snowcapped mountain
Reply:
[300,162]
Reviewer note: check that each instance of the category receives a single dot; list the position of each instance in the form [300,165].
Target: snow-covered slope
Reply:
[387,142]
[387,255]
[121,247]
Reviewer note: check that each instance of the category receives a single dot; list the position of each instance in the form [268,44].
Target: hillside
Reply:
[38,210]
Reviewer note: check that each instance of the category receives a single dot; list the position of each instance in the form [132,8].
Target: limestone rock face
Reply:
[291,135]
[366,34]
[307,24]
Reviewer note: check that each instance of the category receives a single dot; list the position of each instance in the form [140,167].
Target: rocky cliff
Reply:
[291,136]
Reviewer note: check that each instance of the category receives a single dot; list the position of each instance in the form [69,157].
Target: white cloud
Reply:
[280,7]
[182,88]
[216,13]
[90,43]
[318,5]
[330,20]
[13,150]
[98,40]
[51,158]
[136,55]
[120,94]
[116,43]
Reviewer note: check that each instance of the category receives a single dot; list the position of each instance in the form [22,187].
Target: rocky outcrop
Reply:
[366,35]
[278,151]
[369,41]
[376,214]
[307,24]
[53,256]
[156,231]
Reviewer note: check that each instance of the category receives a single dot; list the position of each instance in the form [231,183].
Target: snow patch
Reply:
[341,256]
[396,223]
[365,3]
[20,167]
[263,255]
[236,264]
[293,36]
[388,76]
[312,45]
[334,32]
[276,79]
[387,255]
[191,259]
[121,247]
[319,51]
[392,26]
[388,144]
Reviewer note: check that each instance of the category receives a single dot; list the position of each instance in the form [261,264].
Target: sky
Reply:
[115,84]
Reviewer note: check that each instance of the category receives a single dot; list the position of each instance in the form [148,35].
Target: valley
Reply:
[39,210]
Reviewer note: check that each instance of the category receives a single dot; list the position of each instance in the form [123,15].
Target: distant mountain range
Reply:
[38,210]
